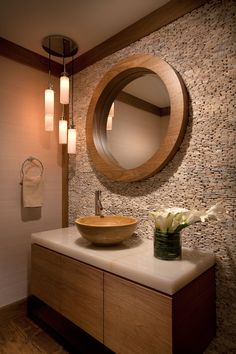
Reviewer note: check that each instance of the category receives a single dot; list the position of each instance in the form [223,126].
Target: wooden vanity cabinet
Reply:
[126,317]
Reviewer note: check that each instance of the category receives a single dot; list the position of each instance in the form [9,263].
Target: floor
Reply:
[22,336]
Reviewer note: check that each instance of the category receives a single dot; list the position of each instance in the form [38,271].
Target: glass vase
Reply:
[167,246]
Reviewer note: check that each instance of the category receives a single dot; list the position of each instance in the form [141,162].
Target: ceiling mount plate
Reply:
[59,46]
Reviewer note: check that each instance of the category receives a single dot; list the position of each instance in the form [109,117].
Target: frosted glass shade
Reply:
[109,123]
[62,131]
[71,146]
[64,89]
[110,117]
[49,109]
[48,120]
[112,110]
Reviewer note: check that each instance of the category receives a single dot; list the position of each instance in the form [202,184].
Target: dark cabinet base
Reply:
[70,336]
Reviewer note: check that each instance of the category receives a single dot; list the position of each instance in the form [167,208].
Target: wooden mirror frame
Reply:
[116,79]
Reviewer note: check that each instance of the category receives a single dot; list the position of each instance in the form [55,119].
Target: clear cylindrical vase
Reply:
[167,246]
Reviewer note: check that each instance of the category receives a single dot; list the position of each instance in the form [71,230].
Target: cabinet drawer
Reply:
[70,287]
[82,296]
[46,276]
[136,319]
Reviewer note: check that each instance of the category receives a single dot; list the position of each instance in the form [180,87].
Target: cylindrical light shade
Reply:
[110,117]
[49,109]
[62,131]
[71,146]
[112,110]
[109,123]
[48,120]
[64,89]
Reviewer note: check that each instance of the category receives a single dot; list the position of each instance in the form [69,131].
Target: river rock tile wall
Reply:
[201,47]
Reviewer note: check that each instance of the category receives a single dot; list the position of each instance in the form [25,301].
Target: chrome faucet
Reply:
[98,203]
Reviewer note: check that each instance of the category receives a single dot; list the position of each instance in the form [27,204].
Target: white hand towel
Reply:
[32,191]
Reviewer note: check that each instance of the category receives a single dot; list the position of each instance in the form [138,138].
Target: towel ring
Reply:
[30,159]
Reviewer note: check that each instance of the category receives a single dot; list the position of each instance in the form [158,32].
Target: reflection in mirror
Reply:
[138,120]
[110,117]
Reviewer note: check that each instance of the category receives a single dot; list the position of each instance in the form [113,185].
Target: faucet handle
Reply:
[98,193]
[98,204]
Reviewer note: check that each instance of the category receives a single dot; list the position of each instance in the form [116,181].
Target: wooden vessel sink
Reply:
[106,230]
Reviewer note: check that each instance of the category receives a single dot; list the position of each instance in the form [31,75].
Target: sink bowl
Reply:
[106,230]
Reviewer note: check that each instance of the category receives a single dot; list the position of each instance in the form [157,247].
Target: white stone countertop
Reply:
[133,259]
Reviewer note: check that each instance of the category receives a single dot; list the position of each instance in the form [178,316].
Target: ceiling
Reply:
[87,22]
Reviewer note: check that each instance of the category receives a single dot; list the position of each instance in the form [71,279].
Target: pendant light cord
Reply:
[72,92]
[49,65]
[64,65]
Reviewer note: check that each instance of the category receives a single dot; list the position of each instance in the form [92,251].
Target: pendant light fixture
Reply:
[64,81]
[63,47]
[64,88]
[49,99]
[63,128]
[71,146]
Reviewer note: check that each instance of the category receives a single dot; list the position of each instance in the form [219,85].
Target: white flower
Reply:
[216,212]
[171,220]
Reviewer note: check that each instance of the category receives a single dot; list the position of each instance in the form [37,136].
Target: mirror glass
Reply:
[138,121]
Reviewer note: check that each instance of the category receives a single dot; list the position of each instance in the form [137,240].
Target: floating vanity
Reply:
[124,297]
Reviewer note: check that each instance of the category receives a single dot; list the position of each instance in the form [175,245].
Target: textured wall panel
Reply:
[201,47]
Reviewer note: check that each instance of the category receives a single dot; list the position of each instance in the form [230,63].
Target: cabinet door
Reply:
[82,296]
[136,319]
[46,276]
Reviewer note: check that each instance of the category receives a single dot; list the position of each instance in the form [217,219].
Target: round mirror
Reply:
[136,118]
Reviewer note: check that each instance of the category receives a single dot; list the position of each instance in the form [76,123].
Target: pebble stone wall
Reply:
[201,47]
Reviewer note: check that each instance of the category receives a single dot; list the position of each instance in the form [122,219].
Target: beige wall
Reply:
[22,135]
[201,47]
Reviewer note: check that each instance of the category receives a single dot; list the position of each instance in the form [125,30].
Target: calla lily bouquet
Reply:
[173,220]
